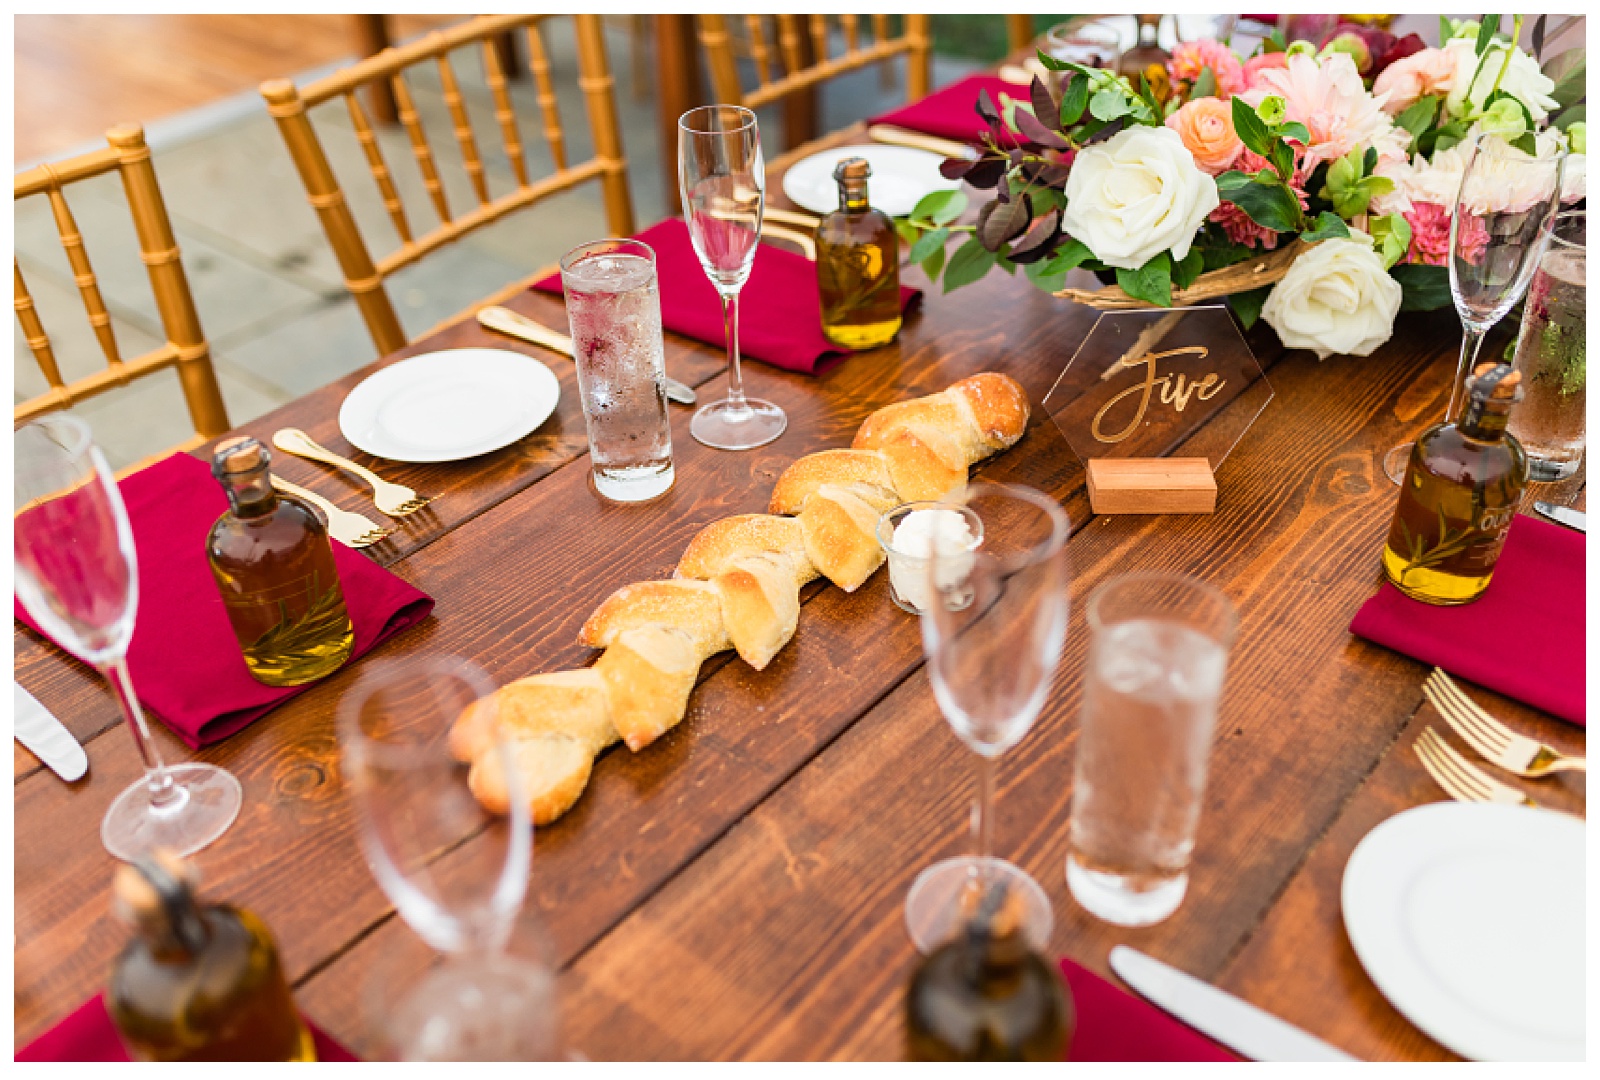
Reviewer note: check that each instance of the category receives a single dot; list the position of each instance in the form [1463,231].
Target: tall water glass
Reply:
[1158,649]
[457,874]
[1498,233]
[1551,356]
[614,310]
[78,578]
[992,632]
[723,182]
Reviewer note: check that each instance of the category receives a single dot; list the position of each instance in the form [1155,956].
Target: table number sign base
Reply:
[1177,485]
[1152,402]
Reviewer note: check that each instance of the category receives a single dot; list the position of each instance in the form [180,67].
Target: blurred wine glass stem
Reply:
[165,796]
[736,408]
[1471,342]
[983,814]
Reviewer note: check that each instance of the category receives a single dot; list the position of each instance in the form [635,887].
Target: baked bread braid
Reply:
[737,586]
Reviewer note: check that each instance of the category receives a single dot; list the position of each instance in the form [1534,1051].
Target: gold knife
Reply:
[508,322]
[898,136]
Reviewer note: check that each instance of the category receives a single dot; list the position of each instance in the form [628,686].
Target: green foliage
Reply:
[1250,128]
[1327,227]
[1247,305]
[1074,100]
[1424,288]
[1568,71]
[1272,206]
[928,243]
[1205,85]
[1392,235]
[940,207]
[1188,269]
[1419,116]
[1349,185]
[1050,273]
[1151,283]
[970,262]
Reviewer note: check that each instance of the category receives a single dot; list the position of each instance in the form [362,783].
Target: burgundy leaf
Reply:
[1045,106]
[1106,132]
[956,168]
[1039,240]
[1033,129]
[986,172]
[986,108]
[1002,221]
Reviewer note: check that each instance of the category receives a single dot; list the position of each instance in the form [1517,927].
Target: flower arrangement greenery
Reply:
[1340,156]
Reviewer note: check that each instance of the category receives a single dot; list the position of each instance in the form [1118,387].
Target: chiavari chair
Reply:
[185,350]
[796,57]
[364,276]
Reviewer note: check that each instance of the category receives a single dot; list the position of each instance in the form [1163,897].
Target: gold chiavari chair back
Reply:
[185,349]
[791,52]
[364,276]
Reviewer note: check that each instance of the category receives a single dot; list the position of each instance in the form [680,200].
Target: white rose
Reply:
[1336,298]
[1137,194]
[1522,80]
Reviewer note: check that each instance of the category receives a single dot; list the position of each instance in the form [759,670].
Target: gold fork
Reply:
[1497,743]
[1462,780]
[395,500]
[349,528]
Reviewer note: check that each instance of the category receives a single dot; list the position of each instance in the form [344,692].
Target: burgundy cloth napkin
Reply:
[88,1034]
[952,113]
[1114,1025]
[185,662]
[780,310]
[1523,637]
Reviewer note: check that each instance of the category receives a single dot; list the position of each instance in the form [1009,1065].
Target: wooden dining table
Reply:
[735,890]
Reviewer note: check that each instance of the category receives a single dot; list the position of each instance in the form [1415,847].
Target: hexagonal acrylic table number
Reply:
[1152,402]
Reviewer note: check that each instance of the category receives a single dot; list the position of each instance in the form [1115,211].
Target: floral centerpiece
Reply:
[1311,184]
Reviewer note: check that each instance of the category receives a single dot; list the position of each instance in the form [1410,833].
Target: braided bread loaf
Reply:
[737,586]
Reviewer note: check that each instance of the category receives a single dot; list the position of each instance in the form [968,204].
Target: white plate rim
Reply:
[1369,900]
[548,396]
[828,158]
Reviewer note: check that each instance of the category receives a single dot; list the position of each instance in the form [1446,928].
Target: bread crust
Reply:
[720,544]
[806,474]
[691,606]
[553,769]
[840,528]
[648,672]
[760,605]
[999,405]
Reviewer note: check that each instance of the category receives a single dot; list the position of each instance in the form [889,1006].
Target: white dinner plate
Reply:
[900,178]
[1469,918]
[449,405]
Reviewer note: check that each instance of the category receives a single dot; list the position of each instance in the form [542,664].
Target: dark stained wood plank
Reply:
[793,921]
[1300,958]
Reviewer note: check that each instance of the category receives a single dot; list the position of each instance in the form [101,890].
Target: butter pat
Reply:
[914,540]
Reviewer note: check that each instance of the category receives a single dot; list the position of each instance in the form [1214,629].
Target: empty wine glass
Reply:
[1498,233]
[992,632]
[77,576]
[457,874]
[723,182]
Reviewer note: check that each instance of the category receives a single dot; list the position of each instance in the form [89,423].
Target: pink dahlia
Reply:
[1430,234]
[1254,66]
[1328,97]
[1237,224]
[1189,58]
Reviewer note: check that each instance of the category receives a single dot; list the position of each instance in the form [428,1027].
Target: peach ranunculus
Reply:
[1206,127]
[1254,66]
[1431,71]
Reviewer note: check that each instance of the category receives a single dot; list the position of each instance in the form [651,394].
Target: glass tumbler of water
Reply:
[614,308]
[1550,355]
[1157,652]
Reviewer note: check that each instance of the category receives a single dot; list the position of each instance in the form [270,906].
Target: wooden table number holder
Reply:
[1167,485]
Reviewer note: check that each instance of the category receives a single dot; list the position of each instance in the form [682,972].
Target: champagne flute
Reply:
[457,874]
[1501,226]
[723,182]
[992,632]
[77,576]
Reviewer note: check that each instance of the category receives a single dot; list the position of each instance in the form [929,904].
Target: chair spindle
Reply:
[463,128]
[419,145]
[379,168]
[494,74]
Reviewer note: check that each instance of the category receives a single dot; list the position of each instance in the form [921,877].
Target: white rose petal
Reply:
[1522,79]
[1137,194]
[1336,298]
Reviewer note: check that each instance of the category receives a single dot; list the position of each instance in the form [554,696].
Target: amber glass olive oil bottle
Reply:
[198,982]
[858,271]
[273,563]
[1462,487]
[987,996]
